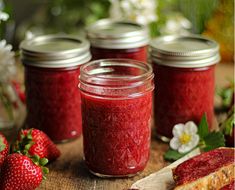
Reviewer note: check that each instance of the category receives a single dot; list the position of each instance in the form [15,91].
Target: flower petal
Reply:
[175,143]
[178,129]
[184,148]
[191,127]
[195,140]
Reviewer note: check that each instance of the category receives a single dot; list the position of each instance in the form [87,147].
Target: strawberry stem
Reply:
[24,143]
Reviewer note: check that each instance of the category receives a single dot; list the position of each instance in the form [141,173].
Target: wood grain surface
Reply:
[70,173]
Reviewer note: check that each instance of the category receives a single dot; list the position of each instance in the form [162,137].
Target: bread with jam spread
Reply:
[211,170]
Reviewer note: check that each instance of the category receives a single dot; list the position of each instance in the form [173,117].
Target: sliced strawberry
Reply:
[4,148]
[21,173]
[35,142]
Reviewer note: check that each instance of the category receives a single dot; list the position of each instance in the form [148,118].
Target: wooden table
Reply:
[69,171]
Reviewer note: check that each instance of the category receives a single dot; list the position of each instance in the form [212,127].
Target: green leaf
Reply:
[45,170]
[203,128]
[229,123]
[172,155]
[213,140]
[27,146]
[43,161]
[36,159]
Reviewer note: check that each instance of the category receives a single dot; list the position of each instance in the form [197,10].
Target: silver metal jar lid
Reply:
[184,51]
[110,34]
[55,51]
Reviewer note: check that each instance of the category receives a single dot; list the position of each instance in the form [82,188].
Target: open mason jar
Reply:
[184,75]
[52,66]
[116,116]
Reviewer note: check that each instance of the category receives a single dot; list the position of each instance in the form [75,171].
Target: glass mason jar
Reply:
[116,39]
[184,69]
[116,116]
[52,66]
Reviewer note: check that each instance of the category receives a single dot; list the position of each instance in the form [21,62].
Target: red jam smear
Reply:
[181,95]
[202,165]
[230,186]
[53,102]
[139,54]
[116,134]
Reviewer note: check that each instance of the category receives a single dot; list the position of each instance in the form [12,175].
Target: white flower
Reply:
[29,35]
[185,137]
[176,24]
[3,16]
[7,61]
[140,11]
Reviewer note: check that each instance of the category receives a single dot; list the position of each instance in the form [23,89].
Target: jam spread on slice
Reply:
[202,165]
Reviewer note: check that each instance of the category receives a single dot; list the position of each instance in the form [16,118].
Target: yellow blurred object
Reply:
[221,28]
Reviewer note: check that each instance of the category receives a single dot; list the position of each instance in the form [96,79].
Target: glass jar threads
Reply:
[116,39]
[116,115]
[184,76]
[52,66]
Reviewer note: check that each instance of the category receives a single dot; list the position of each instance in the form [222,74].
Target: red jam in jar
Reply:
[184,75]
[116,39]
[116,116]
[52,66]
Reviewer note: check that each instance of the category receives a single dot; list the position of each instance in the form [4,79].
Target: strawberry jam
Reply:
[181,96]
[52,66]
[184,69]
[116,39]
[134,53]
[116,116]
[53,102]
[202,165]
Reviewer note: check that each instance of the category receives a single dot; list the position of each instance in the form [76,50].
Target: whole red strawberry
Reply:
[35,142]
[4,148]
[21,173]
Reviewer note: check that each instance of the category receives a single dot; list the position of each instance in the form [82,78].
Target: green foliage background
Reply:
[71,16]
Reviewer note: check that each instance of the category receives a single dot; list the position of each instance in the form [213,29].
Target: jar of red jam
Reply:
[116,39]
[116,116]
[184,75]
[52,66]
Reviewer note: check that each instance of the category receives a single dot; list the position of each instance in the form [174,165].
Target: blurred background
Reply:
[214,18]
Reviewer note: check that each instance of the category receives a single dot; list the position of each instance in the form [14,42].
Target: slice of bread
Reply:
[208,171]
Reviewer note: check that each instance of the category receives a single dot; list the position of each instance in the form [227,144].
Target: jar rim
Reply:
[124,62]
[104,76]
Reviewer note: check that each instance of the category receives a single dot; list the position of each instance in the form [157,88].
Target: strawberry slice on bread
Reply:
[210,170]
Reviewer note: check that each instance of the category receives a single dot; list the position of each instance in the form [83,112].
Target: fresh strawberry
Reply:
[21,173]
[4,148]
[35,142]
